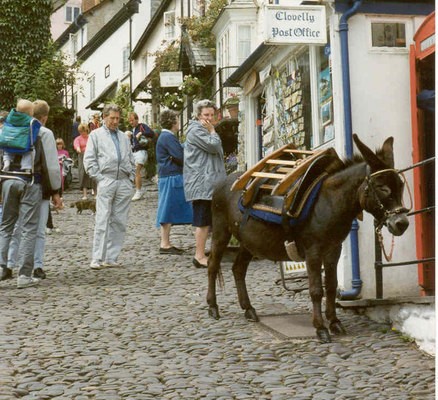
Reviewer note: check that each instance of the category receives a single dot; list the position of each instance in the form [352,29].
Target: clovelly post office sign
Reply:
[299,24]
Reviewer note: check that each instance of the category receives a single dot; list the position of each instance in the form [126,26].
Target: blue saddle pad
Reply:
[267,216]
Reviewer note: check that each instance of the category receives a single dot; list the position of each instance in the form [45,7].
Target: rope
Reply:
[382,245]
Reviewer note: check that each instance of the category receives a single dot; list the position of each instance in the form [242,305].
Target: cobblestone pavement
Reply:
[142,331]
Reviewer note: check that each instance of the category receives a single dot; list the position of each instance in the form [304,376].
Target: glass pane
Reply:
[385,34]
[325,96]
[293,108]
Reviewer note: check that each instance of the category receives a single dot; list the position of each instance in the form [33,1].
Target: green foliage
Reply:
[166,60]
[122,99]
[199,28]
[25,27]
[30,66]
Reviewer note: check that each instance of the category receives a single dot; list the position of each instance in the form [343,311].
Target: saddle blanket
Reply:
[275,218]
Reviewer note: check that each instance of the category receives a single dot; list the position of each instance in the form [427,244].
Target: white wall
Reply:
[109,53]
[381,108]
[57,19]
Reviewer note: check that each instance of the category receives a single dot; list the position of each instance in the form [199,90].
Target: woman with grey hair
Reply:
[203,168]
[173,209]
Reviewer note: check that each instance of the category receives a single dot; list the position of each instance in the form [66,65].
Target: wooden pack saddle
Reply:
[282,181]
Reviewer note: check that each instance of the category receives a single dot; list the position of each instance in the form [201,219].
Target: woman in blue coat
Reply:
[173,209]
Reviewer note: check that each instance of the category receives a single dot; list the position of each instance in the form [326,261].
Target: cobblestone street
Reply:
[143,331]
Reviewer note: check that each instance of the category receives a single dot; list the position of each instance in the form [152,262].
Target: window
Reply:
[388,34]
[92,81]
[71,13]
[169,25]
[243,43]
[107,71]
[125,55]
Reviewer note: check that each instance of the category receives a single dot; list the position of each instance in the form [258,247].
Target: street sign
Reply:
[171,79]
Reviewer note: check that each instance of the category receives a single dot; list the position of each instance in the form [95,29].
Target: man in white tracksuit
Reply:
[108,159]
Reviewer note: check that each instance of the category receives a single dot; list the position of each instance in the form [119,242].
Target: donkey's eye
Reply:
[384,190]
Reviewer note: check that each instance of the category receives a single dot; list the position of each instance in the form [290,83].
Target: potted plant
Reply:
[232,105]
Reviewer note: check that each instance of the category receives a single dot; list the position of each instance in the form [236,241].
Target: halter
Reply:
[387,213]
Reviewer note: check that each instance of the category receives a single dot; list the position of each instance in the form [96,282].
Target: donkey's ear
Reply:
[387,152]
[370,157]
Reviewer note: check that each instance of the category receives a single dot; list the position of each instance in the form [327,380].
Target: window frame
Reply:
[370,20]
[169,27]
[72,10]
[92,81]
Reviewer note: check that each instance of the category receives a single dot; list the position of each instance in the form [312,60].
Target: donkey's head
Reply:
[382,191]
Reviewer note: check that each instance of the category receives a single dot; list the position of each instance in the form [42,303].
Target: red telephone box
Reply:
[422,71]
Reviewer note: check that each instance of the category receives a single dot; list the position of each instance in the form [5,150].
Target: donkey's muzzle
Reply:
[397,224]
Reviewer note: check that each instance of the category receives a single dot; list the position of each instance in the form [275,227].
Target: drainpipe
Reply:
[356,282]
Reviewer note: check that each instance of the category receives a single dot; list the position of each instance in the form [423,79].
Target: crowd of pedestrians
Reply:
[110,165]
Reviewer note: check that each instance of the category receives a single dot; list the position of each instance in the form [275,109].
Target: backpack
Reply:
[19,133]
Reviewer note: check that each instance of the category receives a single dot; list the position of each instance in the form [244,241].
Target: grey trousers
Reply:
[112,209]
[20,200]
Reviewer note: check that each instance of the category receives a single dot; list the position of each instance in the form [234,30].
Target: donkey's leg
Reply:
[240,267]
[331,285]
[219,242]
[316,292]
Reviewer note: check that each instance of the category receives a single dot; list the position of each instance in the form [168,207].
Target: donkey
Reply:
[367,183]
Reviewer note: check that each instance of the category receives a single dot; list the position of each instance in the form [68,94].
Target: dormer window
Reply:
[71,13]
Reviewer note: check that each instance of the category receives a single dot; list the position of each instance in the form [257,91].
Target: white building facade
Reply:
[296,92]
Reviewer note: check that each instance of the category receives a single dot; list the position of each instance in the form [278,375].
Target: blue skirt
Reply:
[172,205]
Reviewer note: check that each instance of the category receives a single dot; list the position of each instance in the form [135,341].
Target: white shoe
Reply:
[96,265]
[108,264]
[137,196]
[48,231]
[24,281]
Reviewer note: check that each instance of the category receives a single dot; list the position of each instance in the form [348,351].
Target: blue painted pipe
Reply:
[356,282]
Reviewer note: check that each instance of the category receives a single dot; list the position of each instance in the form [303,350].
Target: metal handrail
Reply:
[378,262]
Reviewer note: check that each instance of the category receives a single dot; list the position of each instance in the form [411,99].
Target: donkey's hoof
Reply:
[213,312]
[251,315]
[337,329]
[323,335]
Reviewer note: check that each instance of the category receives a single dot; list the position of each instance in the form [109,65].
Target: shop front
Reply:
[295,91]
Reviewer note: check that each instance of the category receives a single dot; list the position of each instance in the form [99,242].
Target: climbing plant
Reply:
[30,66]
[199,27]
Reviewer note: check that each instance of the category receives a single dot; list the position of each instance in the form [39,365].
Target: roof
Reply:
[109,91]
[250,63]
[150,28]
[77,24]
[112,26]
[199,57]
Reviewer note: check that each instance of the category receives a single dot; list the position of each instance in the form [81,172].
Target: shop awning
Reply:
[106,93]
[236,77]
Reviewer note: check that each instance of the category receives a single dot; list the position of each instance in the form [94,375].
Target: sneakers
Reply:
[24,281]
[137,196]
[96,265]
[39,273]
[111,264]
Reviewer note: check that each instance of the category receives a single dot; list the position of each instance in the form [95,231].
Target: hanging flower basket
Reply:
[191,86]
[173,101]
